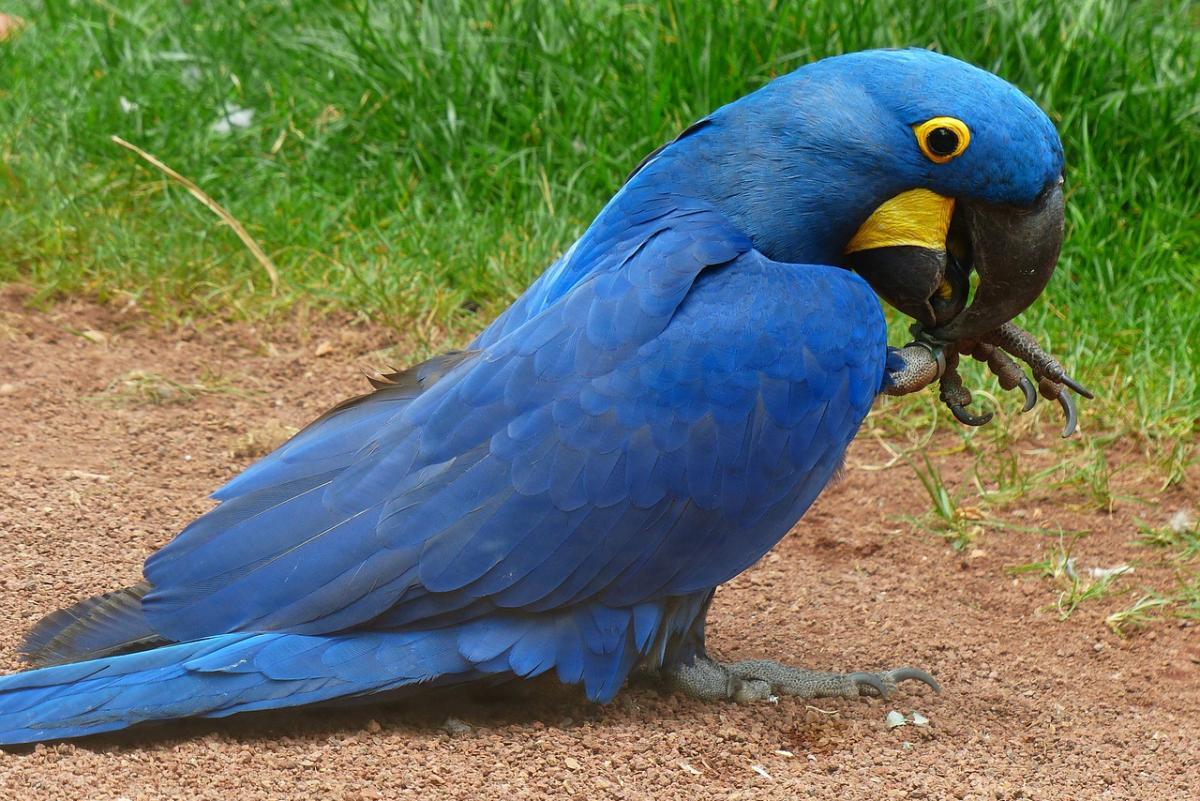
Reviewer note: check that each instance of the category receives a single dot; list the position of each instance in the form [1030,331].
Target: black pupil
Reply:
[942,141]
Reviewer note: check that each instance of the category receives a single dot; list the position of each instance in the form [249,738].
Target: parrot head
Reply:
[986,167]
[912,168]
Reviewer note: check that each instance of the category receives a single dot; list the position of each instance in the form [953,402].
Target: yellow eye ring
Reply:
[942,138]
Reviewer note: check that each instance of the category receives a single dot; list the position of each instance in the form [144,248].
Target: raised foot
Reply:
[764,680]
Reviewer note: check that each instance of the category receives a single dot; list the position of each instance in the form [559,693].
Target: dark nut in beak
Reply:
[928,285]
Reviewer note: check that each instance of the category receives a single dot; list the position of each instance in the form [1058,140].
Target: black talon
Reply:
[1068,405]
[871,680]
[916,674]
[966,418]
[1030,393]
[1075,385]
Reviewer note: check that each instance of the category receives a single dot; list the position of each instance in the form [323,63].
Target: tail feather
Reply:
[215,677]
[592,645]
[100,626]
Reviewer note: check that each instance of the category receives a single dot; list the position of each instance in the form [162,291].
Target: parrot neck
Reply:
[797,182]
[791,216]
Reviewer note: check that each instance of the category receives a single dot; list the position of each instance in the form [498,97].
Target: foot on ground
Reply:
[764,680]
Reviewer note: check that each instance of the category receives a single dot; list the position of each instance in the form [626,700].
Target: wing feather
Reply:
[633,440]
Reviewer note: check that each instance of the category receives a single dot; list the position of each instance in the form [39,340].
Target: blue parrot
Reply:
[645,422]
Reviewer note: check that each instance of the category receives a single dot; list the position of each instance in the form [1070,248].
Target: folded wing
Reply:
[649,433]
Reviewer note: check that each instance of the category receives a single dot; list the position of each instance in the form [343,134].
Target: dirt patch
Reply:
[112,432]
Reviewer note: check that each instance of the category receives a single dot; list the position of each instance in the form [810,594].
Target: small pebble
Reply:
[86,475]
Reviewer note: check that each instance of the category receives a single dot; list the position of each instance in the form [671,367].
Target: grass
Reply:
[1058,565]
[1183,603]
[422,162]
[1181,537]
[1189,598]
[143,387]
[1178,541]
[1141,613]
[947,517]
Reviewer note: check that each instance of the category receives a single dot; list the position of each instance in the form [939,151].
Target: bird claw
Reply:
[1069,409]
[869,680]
[913,674]
[885,683]
[957,397]
[1058,392]
[966,418]
[1075,385]
[1052,378]
[999,349]
[1030,393]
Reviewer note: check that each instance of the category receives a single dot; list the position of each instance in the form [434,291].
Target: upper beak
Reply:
[918,250]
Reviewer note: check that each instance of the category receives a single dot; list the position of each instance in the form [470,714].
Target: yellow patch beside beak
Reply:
[917,218]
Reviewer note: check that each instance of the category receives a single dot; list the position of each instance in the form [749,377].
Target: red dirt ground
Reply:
[100,465]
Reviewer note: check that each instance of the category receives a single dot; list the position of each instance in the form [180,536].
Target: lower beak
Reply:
[919,249]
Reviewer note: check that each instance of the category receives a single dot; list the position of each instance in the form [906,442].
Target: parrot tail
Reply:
[218,676]
[592,645]
[100,626]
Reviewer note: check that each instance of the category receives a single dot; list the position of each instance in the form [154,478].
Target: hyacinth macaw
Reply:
[650,417]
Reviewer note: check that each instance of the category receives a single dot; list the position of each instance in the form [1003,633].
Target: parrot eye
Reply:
[942,138]
[942,141]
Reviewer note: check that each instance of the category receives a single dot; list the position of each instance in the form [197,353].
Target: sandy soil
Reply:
[101,463]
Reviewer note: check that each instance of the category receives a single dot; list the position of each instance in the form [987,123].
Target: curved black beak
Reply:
[1013,249]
